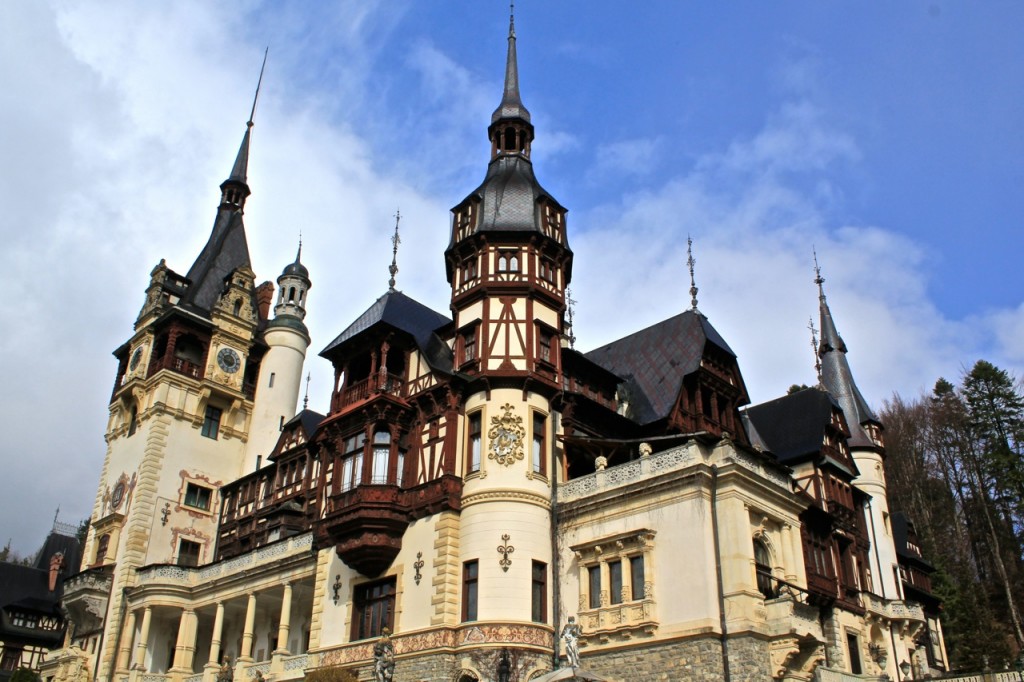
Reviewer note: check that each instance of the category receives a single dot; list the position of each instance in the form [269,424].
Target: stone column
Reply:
[285,625]
[584,588]
[250,621]
[185,647]
[140,651]
[627,579]
[788,561]
[125,653]
[218,627]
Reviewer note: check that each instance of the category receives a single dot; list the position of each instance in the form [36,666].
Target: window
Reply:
[400,469]
[270,384]
[373,609]
[547,270]
[188,553]
[615,580]
[11,659]
[381,457]
[853,644]
[763,567]
[133,421]
[24,620]
[352,462]
[508,261]
[544,339]
[473,463]
[469,269]
[101,548]
[539,593]
[470,578]
[469,345]
[197,496]
[594,576]
[211,424]
[636,577]
[539,451]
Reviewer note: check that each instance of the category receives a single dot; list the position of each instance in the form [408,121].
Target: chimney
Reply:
[264,297]
[56,563]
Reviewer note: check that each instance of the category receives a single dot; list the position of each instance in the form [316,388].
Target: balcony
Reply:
[366,523]
[85,598]
[893,609]
[387,384]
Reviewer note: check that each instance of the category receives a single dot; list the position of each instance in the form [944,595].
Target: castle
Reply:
[477,481]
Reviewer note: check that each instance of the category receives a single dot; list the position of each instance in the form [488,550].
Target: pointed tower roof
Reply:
[511,104]
[227,248]
[836,376]
[296,269]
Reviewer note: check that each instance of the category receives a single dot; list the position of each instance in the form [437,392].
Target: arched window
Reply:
[291,295]
[133,421]
[510,139]
[381,457]
[763,566]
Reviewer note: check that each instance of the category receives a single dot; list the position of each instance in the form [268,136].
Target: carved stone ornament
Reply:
[507,437]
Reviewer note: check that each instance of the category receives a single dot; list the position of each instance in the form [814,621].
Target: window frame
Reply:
[538,451]
[369,621]
[186,559]
[474,441]
[470,590]
[538,591]
[198,491]
[211,422]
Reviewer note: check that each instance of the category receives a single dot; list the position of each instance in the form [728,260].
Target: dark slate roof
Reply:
[397,310]
[225,251]
[308,419]
[66,545]
[654,361]
[793,427]
[28,587]
[508,196]
[901,535]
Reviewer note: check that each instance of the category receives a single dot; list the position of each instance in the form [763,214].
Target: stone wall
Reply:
[691,660]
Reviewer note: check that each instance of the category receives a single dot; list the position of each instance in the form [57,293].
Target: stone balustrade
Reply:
[192,576]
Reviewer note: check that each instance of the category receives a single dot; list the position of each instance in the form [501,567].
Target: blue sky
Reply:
[888,136]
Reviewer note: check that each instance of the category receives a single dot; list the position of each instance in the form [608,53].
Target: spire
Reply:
[511,105]
[570,304]
[305,400]
[690,262]
[814,348]
[395,241]
[239,171]
[836,376]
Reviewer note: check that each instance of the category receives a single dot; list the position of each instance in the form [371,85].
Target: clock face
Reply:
[118,495]
[136,359]
[228,360]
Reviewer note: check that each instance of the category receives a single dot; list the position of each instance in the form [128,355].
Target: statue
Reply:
[384,658]
[571,636]
[504,666]
[225,674]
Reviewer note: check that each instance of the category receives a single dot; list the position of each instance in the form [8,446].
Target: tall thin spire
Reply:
[305,400]
[511,104]
[835,374]
[240,170]
[690,263]
[395,241]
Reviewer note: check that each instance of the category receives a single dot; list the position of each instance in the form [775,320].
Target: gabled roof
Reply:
[654,361]
[793,427]
[307,419]
[405,314]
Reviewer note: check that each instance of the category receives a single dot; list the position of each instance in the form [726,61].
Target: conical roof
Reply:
[511,104]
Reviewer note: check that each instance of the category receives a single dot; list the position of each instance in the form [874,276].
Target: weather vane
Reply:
[818,279]
[814,347]
[395,241]
[690,262]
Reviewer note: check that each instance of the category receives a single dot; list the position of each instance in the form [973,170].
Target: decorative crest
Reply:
[395,241]
[570,302]
[507,436]
[690,263]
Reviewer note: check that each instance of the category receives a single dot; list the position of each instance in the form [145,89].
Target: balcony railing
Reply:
[391,384]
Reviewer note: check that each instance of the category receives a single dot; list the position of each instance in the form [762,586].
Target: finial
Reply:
[570,302]
[512,19]
[305,400]
[298,256]
[818,279]
[814,347]
[252,113]
[690,262]
[395,241]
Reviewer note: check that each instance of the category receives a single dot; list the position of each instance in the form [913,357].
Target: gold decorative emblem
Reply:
[506,437]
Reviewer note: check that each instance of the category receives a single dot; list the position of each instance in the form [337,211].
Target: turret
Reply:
[280,378]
